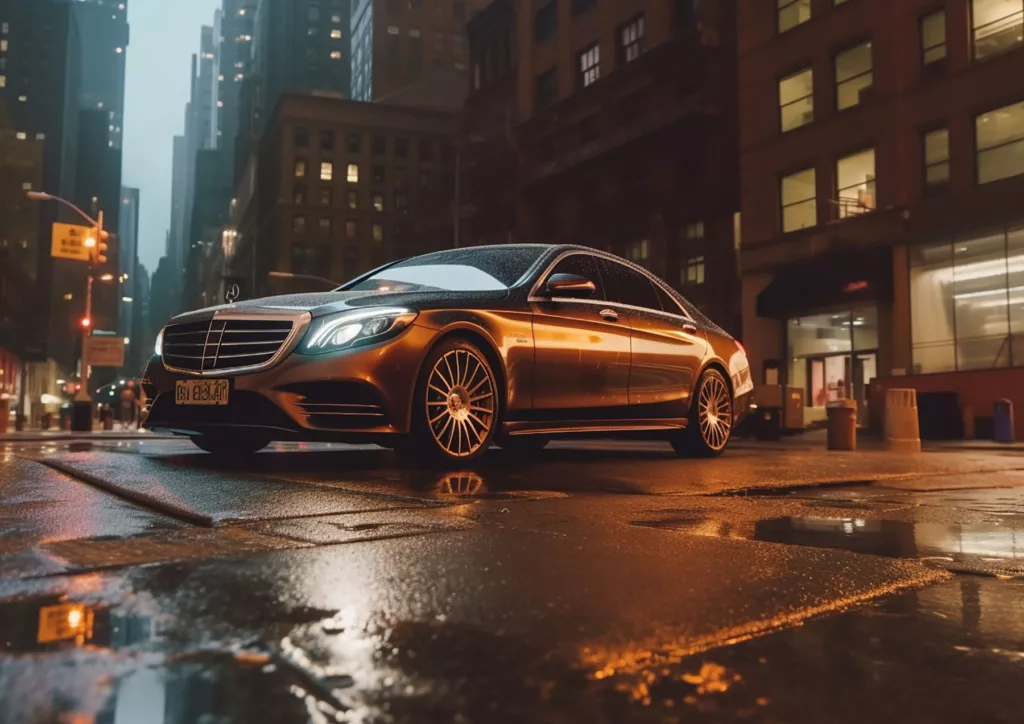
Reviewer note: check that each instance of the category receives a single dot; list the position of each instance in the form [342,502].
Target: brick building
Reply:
[622,129]
[338,187]
[882,165]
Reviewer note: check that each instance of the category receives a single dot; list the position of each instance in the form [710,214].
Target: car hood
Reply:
[320,303]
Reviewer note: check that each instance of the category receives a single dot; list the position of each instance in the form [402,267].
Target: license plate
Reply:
[201,392]
[64,621]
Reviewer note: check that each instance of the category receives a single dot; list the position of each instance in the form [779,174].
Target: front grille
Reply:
[222,344]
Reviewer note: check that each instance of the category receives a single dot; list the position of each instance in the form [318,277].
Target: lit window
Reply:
[631,39]
[855,183]
[335,18]
[336,33]
[326,170]
[998,26]
[40,136]
[694,230]
[936,157]
[353,173]
[335,55]
[300,168]
[378,202]
[3,81]
[378,232]
[798,195]
[1000,143]
[933,37]
[590,65]
[693,271]
[393,30]
[26,186]
[796,100]
[853,75]
[5,28]
[791,13]
[21,135]
[414,32]
[3,46]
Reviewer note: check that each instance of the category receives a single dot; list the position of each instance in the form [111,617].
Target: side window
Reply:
[629,286]
[668,304]
[585,266]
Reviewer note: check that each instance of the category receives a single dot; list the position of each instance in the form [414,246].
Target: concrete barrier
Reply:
[902,430]
[842,425]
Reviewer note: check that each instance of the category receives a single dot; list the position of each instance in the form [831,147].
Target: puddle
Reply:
[980,548]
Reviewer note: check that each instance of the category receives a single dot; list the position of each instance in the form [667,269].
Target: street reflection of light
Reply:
[74,618]
[860,523]
[848,526]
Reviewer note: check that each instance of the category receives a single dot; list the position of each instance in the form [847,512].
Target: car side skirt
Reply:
[571,427]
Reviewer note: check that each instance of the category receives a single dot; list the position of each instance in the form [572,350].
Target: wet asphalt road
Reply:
[598,582]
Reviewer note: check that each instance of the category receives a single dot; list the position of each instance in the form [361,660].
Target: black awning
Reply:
[833,280]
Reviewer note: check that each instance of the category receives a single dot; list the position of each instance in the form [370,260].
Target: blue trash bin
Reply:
[1002,421]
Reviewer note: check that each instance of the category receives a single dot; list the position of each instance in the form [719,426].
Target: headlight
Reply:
[158,348]
[355,328]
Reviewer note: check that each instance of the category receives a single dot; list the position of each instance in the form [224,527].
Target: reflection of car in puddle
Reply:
[460,485]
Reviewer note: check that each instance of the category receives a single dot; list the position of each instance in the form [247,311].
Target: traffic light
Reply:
[99,252]
[86,322]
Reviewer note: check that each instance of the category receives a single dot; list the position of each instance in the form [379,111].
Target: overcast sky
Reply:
[164,34]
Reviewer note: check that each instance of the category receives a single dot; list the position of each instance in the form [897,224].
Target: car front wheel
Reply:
[710,421]
[228,446]
[455,410]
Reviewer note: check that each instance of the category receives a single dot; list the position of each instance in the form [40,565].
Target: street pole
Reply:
[458,189]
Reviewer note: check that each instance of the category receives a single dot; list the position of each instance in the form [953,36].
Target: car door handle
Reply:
[609,315]
[689,327]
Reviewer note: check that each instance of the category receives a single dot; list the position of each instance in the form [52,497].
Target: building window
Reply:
[379,174]
[325,225]
[693,230]
[301,137]
[693,271]
[631,40]
[326,141]
[352,175]
[933,37]
[401,201]
[997,25]
[351,229]
[300,168]
[999,136]
[588,66]
[326,170]
[310,259]
[393,30]
[581,6]
[380,145]
[378,232]
[853,75]
[458,44]
[336,33]
[936,157]
[335,55]
[401,148]
[796,100]
[352,200]
[967,302]
[438,41]
[638,252]
[355,142]
[791,13]
[299,194]
[855,183]
[378,202]
[299,224]
[545,22]
[547,88]
[798,194]
[326,196]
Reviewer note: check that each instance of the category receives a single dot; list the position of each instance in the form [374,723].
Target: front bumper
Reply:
[355,394]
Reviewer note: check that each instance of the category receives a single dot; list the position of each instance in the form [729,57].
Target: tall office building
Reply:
[235,64]
[396,45]
[104,23]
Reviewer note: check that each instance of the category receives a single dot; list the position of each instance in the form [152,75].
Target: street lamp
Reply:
[82,417]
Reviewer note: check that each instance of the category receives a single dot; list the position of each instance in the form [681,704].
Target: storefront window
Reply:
[967,303]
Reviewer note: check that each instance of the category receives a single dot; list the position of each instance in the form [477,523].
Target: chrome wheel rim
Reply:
[460,402]
[714,409]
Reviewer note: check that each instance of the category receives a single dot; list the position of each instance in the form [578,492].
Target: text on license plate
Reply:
[201,392]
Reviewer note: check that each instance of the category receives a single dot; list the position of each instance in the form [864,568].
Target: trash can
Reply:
[81,416]
[842,425]
[1002,421]
[902,427]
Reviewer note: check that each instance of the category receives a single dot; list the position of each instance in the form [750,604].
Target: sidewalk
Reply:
[865,441]
[63,435]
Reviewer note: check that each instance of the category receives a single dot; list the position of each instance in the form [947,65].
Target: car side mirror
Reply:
[570,285]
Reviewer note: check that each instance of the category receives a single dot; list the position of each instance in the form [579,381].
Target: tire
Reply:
[455,411]
[710,420]
[524,444]
[230,446]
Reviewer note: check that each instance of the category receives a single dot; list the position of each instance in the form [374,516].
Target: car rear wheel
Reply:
[455,409]
[711,416]
[230,445]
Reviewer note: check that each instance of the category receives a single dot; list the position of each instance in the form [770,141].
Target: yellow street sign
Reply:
[104,351]
[69,242]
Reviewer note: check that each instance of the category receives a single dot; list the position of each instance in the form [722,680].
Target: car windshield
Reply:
[456,270]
